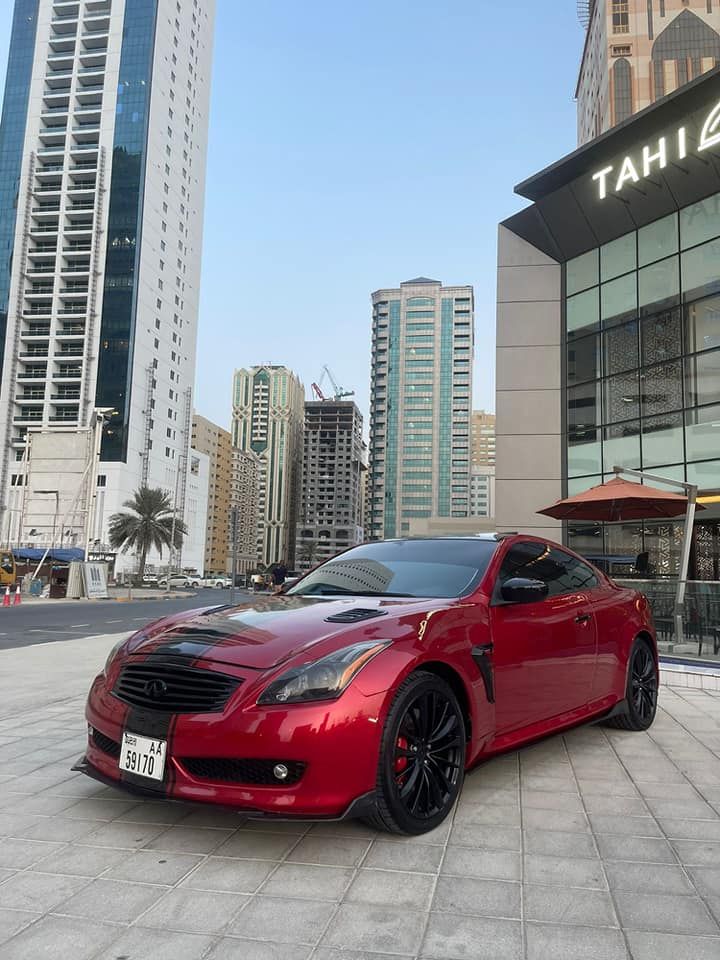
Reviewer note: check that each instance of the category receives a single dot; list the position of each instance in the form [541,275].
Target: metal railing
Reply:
[701,615]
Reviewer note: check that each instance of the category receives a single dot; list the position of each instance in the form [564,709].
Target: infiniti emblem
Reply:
[156,689]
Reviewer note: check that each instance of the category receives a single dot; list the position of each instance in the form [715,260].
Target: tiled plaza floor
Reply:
[596,845]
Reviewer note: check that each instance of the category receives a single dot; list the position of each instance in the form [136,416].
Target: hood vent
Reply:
[355,615]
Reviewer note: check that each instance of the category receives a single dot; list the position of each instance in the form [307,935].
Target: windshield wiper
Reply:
[343,592]
[377,593]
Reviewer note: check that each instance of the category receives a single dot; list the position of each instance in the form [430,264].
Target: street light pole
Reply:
[233,545]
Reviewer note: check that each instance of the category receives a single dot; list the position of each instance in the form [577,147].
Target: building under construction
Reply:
[330,508]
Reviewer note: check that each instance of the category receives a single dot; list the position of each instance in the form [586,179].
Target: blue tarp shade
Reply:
[32,555]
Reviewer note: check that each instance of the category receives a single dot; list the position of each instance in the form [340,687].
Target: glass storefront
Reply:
[643,391]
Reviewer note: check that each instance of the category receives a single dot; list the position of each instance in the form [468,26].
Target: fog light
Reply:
[280,771]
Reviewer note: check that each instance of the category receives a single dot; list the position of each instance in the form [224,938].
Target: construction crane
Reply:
[339,392]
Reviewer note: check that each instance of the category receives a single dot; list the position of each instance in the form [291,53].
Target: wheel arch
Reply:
[456,683]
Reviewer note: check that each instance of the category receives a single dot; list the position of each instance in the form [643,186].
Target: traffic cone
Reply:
[6,598]
[18,599]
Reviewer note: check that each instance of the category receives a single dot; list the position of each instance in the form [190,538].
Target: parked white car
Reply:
[178,581]
[220,583]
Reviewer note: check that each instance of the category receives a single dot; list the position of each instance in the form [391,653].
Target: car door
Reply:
[544,651]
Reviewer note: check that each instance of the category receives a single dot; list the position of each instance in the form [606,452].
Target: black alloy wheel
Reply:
[422,757]
[642,690]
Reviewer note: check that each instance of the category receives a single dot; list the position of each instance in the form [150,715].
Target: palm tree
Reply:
[307,552]
[149,525]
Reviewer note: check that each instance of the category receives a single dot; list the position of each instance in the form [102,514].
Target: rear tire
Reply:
[422,757]
[641,691]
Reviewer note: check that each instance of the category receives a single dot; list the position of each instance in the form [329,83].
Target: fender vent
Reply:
[355,615]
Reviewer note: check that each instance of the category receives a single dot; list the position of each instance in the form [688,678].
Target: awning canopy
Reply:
[55,554]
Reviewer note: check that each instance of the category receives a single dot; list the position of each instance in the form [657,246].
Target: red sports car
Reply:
[371,686]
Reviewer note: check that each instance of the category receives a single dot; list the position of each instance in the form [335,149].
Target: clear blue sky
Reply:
[356,145]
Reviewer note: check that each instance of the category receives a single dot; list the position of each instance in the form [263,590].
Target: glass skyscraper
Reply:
[420,402]
[103,142]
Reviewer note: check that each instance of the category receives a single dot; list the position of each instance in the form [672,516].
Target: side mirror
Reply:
[523,590]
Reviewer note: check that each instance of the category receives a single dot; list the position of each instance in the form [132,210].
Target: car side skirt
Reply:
[597,709]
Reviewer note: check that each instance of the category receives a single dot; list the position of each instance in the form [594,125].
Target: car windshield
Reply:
[402,568]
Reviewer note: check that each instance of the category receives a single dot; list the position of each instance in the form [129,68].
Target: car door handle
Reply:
[582,618]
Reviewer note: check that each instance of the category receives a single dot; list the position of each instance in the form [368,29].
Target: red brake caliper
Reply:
[401,763]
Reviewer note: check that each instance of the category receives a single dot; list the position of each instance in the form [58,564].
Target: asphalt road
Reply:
[46,622]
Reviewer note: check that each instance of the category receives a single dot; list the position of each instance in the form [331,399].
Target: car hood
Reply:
[262,634]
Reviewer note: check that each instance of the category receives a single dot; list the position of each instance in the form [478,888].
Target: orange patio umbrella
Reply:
[619,500]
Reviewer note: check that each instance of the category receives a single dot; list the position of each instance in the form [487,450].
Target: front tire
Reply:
[641,692]
[422,757]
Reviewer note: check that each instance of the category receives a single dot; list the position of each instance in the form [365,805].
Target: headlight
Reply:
[111,656]
[324,679]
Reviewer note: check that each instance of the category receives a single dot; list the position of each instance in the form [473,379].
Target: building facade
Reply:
[608,331]
[103,141]
[244,508]
[331,499]
[482,439]
[216,444]
[482,491]
[638,51]
[268,417]
[420,397]
[196,512]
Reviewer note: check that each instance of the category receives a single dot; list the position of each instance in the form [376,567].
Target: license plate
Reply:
[143,756]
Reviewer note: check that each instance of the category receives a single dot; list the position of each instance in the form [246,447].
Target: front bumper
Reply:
[363,806]
[338,741]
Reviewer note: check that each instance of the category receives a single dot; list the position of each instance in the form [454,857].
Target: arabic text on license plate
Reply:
[143,756]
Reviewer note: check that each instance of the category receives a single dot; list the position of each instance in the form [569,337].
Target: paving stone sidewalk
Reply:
[595,845]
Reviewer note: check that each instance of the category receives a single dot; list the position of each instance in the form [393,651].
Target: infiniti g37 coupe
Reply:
[372,684]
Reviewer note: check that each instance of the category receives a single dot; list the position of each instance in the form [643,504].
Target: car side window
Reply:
[538,561]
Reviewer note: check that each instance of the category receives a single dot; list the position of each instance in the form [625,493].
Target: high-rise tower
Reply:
[637,51]
[330,507]
[268,413]
[102,178]
[420,397]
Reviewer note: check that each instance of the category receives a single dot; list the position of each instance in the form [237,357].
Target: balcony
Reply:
[76,246]
[62,59]
[68,350]
[28,416]
[51,152]
[48,172]
[36,331]
[79,226]
[71,330]
[43,268]
[39,311]
[80,290]
[87,135]
[30,354]
[46,208]
[31,375]
[69,415]
[35,396]
[74,373]
[39,291]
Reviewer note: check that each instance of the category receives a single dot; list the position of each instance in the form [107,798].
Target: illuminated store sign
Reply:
[633,169]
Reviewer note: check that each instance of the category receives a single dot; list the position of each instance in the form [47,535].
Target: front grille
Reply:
[106,744]
[174,688]
[258,772]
